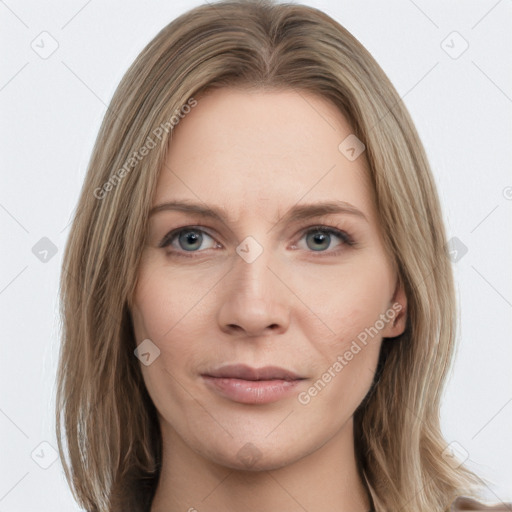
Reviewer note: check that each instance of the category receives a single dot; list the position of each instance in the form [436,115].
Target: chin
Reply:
[252,453]
[254,459]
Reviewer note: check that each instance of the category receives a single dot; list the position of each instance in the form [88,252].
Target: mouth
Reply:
[247,385]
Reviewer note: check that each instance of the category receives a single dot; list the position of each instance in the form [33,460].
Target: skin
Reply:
[299,305]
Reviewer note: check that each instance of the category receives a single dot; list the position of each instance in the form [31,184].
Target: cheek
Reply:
[169,312]
[157,318]
[350,305]
[345,363]
[347,300]
[163,301]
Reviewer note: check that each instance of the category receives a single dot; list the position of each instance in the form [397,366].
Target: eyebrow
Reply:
[294,214]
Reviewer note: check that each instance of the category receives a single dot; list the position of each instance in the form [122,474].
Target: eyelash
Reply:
[345,238]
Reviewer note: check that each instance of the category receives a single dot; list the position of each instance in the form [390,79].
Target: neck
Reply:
[326,479]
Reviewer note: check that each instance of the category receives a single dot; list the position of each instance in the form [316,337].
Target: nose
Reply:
[255,302]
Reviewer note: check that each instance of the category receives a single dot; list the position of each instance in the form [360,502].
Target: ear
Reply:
[397,312]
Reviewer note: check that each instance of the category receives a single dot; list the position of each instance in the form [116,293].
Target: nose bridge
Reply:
[253,299]
[251,268]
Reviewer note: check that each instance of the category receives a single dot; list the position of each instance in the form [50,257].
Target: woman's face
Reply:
[259,283]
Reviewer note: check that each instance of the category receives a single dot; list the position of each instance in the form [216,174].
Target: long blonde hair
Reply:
[111,429]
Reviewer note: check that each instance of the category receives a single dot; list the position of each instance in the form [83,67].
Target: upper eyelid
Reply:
[302,231]
[174,232]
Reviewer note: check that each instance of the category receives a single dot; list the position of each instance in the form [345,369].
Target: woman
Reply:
[293,355]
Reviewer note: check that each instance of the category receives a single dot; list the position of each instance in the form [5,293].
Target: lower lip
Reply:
[252,391]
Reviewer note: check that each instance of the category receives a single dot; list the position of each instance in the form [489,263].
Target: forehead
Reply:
[262,152]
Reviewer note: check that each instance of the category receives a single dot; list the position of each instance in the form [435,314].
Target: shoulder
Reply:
[463,503]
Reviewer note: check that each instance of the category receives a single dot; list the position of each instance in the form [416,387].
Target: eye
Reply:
[319,238]
[188,239]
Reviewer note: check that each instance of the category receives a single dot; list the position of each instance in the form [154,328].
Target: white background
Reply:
[51,110]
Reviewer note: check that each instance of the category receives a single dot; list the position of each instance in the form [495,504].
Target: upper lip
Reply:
[241,371]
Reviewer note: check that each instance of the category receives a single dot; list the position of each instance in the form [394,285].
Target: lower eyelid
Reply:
[167,241]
